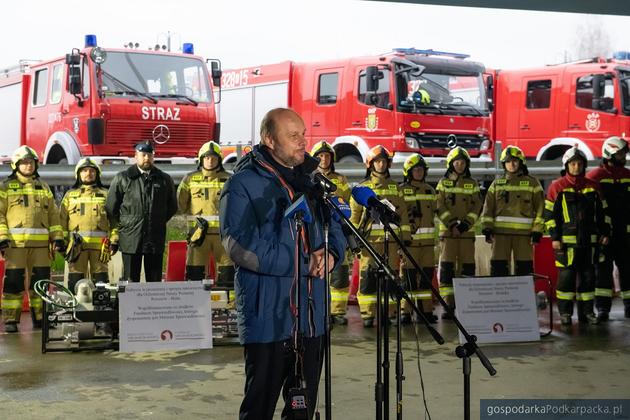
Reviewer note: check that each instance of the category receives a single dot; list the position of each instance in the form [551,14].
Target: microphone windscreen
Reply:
[362,194]
[341,205]
[300,205]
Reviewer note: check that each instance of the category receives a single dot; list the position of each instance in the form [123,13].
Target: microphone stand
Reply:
[463,351]
[389,277]
[327,340]
[298,217]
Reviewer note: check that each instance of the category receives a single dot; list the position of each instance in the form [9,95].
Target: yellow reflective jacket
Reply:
[28,215]
[421,201]
[385,188]
[83,211]
[459,200]
[198,196]
[514,205]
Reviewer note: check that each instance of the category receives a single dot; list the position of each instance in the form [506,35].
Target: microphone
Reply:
[300,206]
[325,183]
[345,210]
[384,211]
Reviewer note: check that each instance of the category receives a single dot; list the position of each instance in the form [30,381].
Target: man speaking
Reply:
[262,243]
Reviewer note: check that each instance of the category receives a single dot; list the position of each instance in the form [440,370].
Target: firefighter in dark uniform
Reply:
[614,182]
[575,218]
[84,221]
[140,201]
[421,201]
[512,219]
[198,196]
[378,162]
[458,207]
[340,281]
[29,223]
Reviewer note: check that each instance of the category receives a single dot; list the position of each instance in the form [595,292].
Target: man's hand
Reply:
[604,240]
[113,248]
[455,232]
[556,245]
[316,265]
[489,235]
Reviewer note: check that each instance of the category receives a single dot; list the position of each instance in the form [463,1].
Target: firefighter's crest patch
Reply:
[371,121]
[593,122]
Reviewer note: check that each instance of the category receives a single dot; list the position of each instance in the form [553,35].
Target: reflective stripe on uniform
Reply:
[625,294]
[513,222]
[565,295]
[585,297]
[604,292]
[446,291]
[424,233]
[338,296]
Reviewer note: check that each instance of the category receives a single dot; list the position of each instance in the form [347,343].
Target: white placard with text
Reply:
[165,316]
[497,309]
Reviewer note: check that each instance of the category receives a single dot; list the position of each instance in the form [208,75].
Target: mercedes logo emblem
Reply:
[451,140]
[161,134]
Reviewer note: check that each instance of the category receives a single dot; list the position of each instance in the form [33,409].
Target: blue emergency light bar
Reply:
[621,55]
[414,51]
[90,41]
[188,48]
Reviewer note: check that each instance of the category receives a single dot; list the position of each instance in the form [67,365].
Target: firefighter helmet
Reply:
[378,152]
[23,152]
[421,96]
[322,147]
[457,153]
[412,161]
[572,154]
[512,152]
[209,148]
[86,163]
[612,145]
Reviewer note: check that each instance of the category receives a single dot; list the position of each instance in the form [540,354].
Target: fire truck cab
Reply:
[99,103]
[408,101]
[547,110]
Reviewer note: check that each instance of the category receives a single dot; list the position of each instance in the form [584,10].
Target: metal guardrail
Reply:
[481,171]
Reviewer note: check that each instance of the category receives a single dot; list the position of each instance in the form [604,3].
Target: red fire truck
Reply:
[99,103]
[408,100]
[546,110]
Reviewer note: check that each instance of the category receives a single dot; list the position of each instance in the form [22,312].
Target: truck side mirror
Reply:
[216,73]
[598,82]
[490,92]
[75,81]
[372,76]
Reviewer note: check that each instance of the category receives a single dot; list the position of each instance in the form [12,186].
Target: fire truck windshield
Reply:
[624,83]
[155,76]
[436,91]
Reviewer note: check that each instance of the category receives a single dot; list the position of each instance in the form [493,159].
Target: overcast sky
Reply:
[249,32]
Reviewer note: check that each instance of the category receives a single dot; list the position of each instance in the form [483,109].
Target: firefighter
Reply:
[339,282]
[574,215]
[29,229]
[378,162]
[458,206]
[84,221]
[421,200]
[512,216]
[198,196]
[613,179]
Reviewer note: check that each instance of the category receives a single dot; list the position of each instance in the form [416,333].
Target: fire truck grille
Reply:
[447,142]
[184,139]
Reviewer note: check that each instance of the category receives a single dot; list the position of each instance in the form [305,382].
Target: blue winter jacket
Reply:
[261,242]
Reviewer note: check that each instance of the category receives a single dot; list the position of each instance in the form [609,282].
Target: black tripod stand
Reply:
[388,282]
[464,351]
